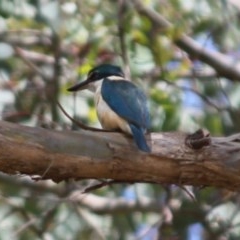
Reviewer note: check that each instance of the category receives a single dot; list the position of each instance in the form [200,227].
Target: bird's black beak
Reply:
[80,86]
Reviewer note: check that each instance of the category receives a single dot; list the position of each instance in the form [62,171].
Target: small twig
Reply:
[29,223]
[223,91]
[100,185]
[110,182]
[80,124]
[204,98]
[19,52]
[46,170]
[190,194]
[146,231]
[54,85]
[86,217]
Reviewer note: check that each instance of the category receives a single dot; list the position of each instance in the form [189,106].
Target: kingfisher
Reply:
[120,104]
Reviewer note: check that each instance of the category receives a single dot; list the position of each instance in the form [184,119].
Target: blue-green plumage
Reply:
[120,104]
[130,103]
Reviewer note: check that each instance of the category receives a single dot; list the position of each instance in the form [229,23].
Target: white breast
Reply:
[107,117]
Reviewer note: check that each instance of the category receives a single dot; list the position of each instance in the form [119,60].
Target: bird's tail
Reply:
[139,138]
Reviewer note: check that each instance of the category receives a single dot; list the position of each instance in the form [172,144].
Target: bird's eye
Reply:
[93,75]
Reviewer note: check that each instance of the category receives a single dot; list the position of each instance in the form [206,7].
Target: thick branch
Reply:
[61,155]
[223,65]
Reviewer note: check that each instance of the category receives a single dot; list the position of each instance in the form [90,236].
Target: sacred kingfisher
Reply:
[119,103]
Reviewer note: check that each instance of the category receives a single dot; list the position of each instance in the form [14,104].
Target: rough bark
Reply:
[61,155]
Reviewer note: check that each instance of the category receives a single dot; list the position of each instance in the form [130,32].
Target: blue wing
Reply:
[128,101]
[139,138]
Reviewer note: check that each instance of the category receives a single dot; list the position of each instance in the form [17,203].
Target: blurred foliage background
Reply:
[46,46]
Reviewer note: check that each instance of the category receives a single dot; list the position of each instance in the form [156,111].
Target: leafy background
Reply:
[46,46]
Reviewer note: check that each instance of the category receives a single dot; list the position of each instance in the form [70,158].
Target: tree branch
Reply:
[223,65]
[121,34]
[106,205]
[38,58]
[82,155]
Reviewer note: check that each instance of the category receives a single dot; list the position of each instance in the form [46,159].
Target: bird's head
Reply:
[98,74]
